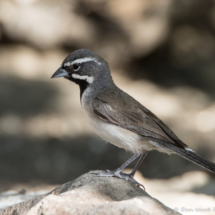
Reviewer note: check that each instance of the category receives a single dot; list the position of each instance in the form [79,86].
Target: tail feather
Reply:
[191,156]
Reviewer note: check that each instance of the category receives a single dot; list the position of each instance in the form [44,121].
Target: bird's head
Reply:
[81,66]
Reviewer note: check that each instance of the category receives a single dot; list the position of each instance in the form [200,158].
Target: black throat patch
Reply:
[83,84]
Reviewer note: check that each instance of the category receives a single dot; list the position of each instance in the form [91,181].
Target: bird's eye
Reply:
[76,66]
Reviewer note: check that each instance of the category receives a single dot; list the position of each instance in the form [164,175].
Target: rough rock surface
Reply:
[89,194]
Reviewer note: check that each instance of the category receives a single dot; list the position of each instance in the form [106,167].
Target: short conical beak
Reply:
[60,73]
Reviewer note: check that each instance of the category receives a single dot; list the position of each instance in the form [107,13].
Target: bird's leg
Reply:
[127,162]
[130,176]
[136,167]
[118,172]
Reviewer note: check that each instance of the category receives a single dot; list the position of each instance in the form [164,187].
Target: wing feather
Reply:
[142,122]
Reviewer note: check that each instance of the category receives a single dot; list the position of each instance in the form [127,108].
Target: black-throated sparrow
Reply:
[117,117]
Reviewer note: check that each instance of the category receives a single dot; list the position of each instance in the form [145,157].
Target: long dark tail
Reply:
[191,156]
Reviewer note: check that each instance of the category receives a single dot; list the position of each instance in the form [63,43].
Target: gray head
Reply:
[85,68]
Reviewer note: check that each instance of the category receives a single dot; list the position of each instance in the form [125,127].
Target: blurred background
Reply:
[162,52]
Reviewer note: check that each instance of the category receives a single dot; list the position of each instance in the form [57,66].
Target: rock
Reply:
[90,194]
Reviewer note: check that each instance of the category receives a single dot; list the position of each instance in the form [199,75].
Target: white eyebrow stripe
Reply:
[84,77]
[82,60]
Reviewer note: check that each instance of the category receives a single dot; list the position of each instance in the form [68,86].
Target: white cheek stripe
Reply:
[84,77]
[82,60]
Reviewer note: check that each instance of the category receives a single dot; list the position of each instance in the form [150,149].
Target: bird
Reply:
[118,118]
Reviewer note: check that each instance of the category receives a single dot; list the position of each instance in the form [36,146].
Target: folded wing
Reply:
[142,121]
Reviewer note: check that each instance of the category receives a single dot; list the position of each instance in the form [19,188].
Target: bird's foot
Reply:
[109,173]
[130,177]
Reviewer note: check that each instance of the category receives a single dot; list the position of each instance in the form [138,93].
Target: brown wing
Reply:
[142,122]
[166,129]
